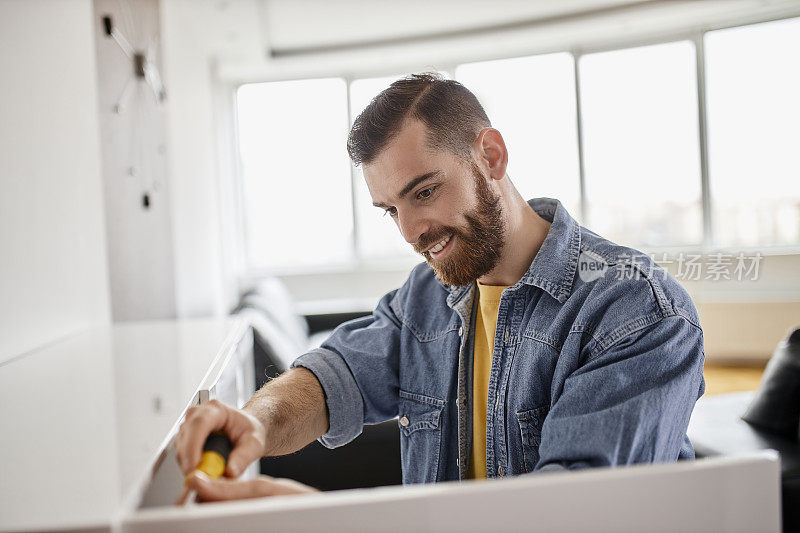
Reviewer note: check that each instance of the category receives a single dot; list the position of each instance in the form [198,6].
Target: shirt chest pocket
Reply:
[420,436]
[530,428]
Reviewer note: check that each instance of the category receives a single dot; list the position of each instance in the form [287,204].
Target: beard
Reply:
[478,246]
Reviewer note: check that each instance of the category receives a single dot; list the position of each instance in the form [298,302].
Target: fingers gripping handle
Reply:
[216,451]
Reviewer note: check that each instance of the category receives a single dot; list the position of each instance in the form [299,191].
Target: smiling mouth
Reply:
[440,247]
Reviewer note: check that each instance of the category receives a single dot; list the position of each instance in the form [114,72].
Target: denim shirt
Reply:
[598,358]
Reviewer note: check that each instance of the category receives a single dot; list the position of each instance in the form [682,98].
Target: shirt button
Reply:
[458,462]
[460,331]
[404,420]
[455,292]
[500,470]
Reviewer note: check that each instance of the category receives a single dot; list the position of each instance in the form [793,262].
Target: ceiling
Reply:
[294,26]
[258,40]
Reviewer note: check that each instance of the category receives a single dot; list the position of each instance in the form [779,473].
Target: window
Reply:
[531,101]
[641,144]
[753,83]
[639,122]
[295,173]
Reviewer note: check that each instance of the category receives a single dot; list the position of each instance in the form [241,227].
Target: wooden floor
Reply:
[722,378]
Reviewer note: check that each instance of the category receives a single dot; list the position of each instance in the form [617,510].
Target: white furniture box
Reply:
[88,422]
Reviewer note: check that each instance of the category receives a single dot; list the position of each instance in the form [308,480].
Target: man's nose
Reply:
[412,227]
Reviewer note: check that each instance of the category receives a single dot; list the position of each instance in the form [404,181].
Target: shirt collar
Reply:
[553,268]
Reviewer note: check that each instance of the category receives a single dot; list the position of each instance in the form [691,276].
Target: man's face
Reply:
[442,205]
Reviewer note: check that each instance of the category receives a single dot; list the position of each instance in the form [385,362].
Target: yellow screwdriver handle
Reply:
[216,451]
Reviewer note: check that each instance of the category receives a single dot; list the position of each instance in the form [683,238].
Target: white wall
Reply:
[193,184]
[196,33]
[53,278]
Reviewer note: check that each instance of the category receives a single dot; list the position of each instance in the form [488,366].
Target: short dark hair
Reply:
[451,113]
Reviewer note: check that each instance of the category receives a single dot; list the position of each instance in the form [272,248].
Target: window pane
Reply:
[531,101]
[753,88]
[378,235]
[296,174]
[641,148]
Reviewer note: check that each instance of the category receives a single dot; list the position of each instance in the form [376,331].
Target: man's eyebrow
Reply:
[411,184]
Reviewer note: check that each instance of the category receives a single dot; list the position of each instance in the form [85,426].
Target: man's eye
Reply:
[425,193]
[391,211]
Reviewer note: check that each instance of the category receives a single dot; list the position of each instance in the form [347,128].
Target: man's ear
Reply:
[492,152]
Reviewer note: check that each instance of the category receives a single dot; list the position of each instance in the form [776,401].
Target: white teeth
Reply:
[441,245]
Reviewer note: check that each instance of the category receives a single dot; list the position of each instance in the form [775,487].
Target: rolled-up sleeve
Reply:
[357,367]
[629,402]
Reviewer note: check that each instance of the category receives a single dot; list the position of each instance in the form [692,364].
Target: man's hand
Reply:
[212,490]
[290,408]
[245,431]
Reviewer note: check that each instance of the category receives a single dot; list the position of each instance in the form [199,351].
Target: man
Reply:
[525,343]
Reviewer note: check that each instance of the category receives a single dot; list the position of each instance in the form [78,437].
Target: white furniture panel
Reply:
[710,495]
[86,421]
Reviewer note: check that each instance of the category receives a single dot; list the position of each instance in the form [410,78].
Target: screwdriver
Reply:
[216,451]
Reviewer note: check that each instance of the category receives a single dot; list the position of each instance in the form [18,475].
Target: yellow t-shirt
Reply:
[485,325]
